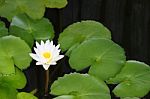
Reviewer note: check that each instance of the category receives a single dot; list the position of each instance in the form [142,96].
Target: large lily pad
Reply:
[134,80]
[55,3]
[7,92]
[3,30]
[30,30]
[80,31]
[24,95]
[13,51]
[17,80]
[80,86]
[105,57]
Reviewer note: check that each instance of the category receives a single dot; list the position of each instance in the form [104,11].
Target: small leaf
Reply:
[65,97]
[134,80]
[24,95]
[13,51]
[55,3]
[104,56]
[17,80]
[3,30]
[81,86]
[80,31]
[7,92]
[30,30]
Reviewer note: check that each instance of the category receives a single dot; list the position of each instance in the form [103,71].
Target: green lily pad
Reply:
[80,86]
[80,31]
[55,3]
[105,57]
[22,34]
[13,51]
[2,2]
[130,98]
[3,29]
[70,50]
[10,8]
[66,97]
[17,80]
[30,30]
[134,80]
[7,92]
[24,95]
[33,8]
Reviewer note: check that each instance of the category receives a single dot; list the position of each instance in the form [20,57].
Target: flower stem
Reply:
[46,82]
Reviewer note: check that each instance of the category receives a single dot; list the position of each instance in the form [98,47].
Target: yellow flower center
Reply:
[47,55]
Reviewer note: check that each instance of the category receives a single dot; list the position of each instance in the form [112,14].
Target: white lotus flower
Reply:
[46,54]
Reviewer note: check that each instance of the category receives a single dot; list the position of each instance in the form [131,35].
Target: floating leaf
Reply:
[33,8]
[80,31]
[29,29]
[66,97]
[130,98]
[104,56]
[134,80]
[2,2]
[3,30]
[17,80]
[22,34]
[81,86]
[7,92]
[13,51]
[70,50]
[55,3]
[10,8]
[24,95]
